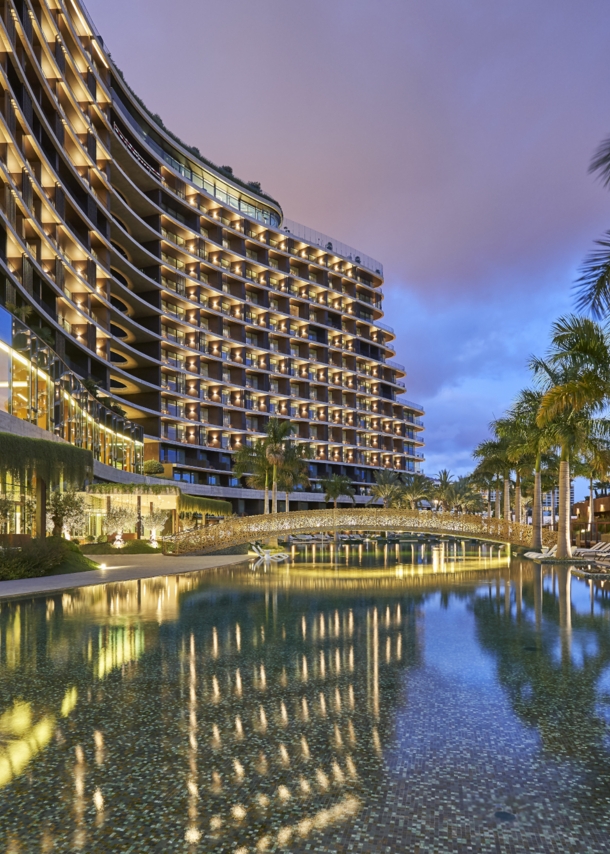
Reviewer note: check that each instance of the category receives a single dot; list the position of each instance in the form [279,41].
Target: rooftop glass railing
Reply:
[198,176]
[329,244]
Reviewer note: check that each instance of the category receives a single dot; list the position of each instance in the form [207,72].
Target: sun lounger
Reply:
[266,556]
[545,555]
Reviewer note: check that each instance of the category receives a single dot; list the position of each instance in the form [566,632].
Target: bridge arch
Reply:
[235,531]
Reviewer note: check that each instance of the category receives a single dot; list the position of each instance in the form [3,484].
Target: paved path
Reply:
[118,568]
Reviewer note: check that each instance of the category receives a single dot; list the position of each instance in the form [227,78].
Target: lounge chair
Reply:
[266,556]
[596,551]
[541,555]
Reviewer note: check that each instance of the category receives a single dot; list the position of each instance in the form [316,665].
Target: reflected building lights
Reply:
[359,649]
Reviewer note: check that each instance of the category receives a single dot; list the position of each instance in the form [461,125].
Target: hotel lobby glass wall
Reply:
[38,387]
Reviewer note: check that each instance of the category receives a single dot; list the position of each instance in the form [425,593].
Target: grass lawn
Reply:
[74,562]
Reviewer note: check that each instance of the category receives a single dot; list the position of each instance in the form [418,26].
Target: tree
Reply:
[464,497]
[67,512]
[251,461]
[154,521]
[417,488]
[388,488]
[493,459]
[337,485]
[531,444]
[277,434]
[153,467]
[594,463]
[576,372]
[92,386]
[334,487]
[117,519]
[294,469]
[7,507]
[484,480]
[21,312]
[593,285]
[575,380]
[109,403]
[442,489]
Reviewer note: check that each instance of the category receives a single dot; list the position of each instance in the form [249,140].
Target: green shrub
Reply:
[38,557]
[153,467]
[131,547]
[139,547]
[102,538]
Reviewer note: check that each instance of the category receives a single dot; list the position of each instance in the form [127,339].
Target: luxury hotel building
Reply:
[184,293]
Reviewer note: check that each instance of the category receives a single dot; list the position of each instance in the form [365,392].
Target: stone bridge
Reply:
[234,530]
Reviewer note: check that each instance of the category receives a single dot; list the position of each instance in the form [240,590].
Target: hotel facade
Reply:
[199,311]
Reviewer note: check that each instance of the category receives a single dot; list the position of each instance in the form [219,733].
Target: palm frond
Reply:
[600,162]
[593,285]
[572,396]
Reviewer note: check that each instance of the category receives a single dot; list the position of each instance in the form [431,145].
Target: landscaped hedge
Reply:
[133,489]
[131,547]
[186,503]
[201,504]
[41,557]
[21,456]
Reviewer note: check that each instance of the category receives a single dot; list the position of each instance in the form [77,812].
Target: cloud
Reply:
[449,139]
[467,362]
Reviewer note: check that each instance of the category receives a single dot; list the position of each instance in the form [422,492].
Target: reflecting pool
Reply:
[371,699]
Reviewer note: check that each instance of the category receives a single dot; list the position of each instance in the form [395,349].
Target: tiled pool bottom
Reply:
[315,709]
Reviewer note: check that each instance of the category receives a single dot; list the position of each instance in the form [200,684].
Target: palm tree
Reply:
[21,312]
[484,480]
[575,379]
[251,460]
[92,386]
[595,463]
[417,488]
[277,434]
[493,459]
[511,430]
[294,469]
[388,488]
[576,372]
[529,445]
[442,492]
[335,486]
[593,285]
[465,497]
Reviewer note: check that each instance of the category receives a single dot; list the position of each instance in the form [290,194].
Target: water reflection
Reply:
[242,711]
[551,659]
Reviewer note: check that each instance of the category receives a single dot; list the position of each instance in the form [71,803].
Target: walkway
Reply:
[118,568]
[235,530]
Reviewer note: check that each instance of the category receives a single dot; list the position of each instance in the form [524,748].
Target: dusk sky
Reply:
[450,140]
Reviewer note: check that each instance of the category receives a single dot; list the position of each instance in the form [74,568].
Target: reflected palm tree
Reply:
[549,687]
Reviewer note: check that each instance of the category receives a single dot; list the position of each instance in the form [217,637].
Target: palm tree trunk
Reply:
[266,508]
[537,509]
[507,499]
[489,503]
[335,521]
[287,508]
[497,513]
[564,535]
[591,506]
[518,519]
[274,490]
